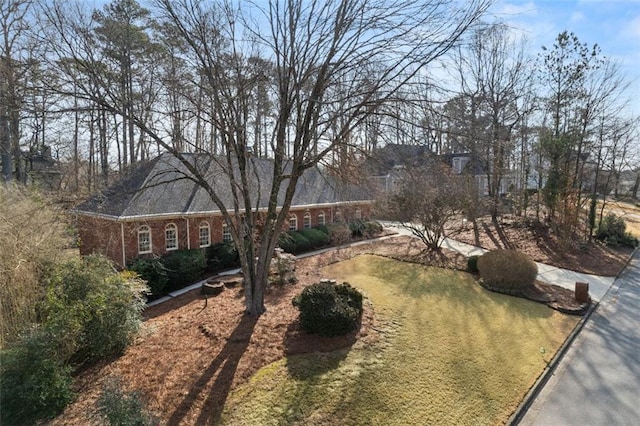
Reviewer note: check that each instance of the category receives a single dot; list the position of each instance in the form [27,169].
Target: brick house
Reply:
[158,208]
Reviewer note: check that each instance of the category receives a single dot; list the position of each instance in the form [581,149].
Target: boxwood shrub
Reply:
[507,269]
[329,310]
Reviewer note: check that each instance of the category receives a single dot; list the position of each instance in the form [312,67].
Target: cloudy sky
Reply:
[613,24]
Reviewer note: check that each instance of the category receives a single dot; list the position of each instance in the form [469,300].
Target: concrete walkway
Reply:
[597,381]
[598,285]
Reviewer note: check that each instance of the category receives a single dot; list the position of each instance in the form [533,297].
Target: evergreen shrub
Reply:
[222,256]
[329,310]
[35,381]
[472,264]
[154,273]
[613,231]
[507,269]
[119,407]
[184,267]
[316,237]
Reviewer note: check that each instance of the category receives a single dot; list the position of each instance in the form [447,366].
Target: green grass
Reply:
[453,353]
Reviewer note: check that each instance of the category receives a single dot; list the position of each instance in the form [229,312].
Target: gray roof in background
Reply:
[162,187]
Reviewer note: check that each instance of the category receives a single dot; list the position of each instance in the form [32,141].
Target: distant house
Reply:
[157,208]
[387,164]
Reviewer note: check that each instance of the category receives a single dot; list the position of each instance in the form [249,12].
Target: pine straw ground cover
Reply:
[449,353]
[194,357]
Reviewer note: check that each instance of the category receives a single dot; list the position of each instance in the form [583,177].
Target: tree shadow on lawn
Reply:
[224,365]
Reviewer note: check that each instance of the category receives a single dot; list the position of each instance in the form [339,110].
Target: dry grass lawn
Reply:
[449,352]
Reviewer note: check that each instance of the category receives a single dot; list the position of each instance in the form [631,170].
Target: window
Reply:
[293,222]
[144,240]
[358,214]
[338,216]
[171,237]
[226,233]
[321,219]
[307,220]
[204,234]
[459,163]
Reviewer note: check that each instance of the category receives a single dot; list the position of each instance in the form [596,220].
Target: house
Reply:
[158,208]
[387,165]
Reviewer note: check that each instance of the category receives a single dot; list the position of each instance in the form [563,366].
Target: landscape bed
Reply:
[195,357]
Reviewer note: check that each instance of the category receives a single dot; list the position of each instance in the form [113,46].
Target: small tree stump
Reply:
[582,292]
[212,289]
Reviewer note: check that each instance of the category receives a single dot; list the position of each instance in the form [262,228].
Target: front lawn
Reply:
[449,352]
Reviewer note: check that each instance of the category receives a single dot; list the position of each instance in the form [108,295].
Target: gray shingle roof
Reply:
[163,187]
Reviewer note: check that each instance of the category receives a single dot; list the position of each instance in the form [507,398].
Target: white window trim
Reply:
[322,218]
[293,222]
[307,220]
[200,228]
[358,214]
[226,233]
[173,227]
[144,229]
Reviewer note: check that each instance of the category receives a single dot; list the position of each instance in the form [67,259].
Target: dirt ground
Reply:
[194,350]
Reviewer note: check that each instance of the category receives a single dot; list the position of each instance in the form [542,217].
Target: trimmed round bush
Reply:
[507,269]
[329,310]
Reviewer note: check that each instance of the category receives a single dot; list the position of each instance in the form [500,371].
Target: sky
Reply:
[613,24]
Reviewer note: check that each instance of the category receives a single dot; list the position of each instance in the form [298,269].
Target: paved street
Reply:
[597,382]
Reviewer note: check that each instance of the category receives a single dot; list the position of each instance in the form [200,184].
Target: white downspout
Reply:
[124,255]
[188,236]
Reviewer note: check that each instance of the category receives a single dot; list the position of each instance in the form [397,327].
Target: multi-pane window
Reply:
[226,233]
[204,234]
[307,220]
[171,237]
[293,222]
[321,219]
[338,216]
[144,240]
[358,214]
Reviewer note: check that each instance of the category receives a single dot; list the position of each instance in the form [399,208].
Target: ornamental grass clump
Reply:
[508,270]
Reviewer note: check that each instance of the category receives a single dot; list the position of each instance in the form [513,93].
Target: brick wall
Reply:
[100,235]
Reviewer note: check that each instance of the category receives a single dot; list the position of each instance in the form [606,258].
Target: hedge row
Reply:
[183,267]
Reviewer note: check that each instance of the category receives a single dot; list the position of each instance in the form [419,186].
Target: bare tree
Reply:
[427,199]
[495,74]
[313,46]
[13,16]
